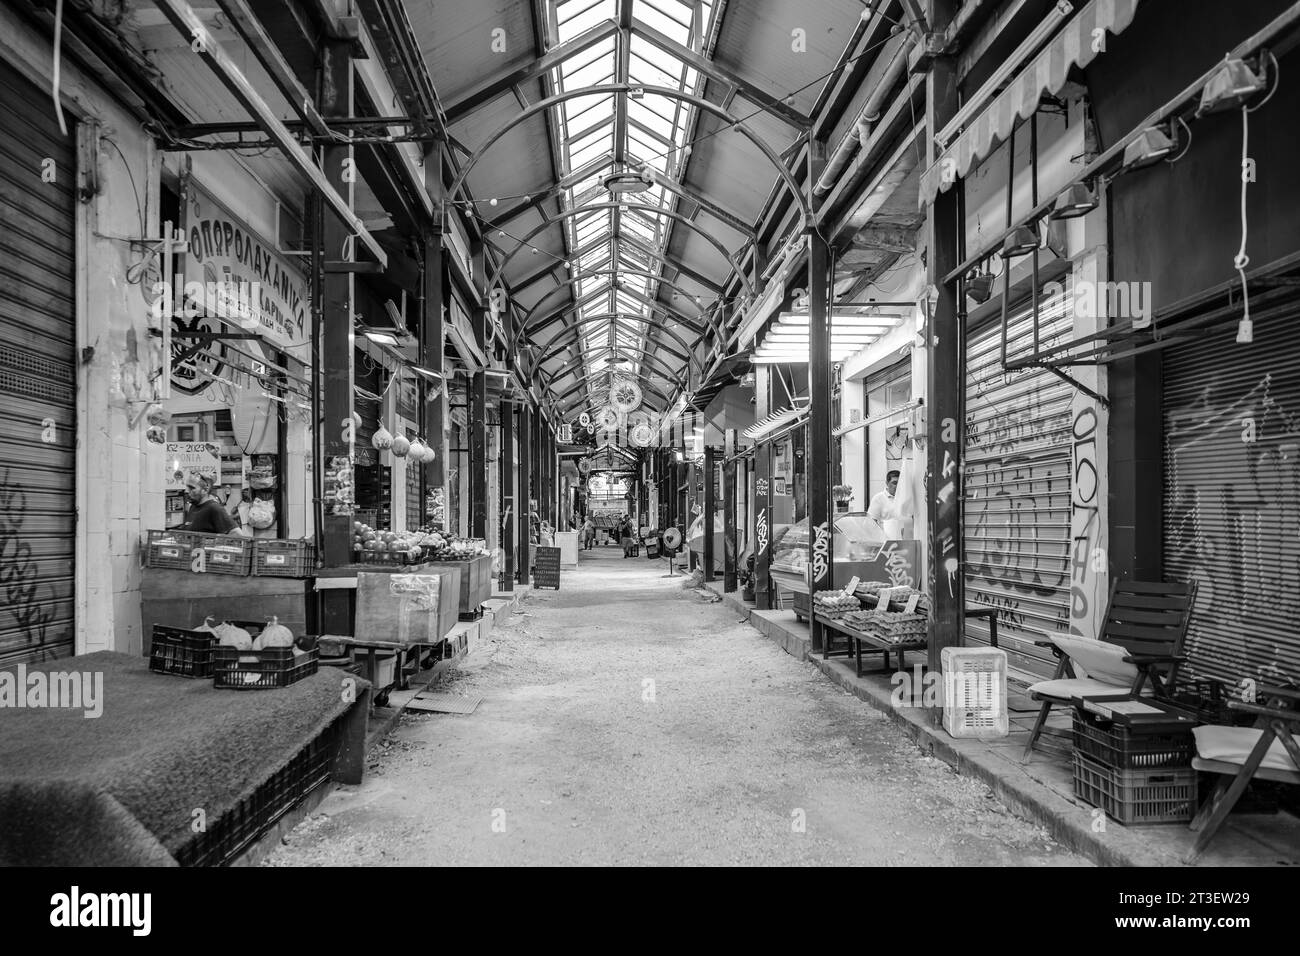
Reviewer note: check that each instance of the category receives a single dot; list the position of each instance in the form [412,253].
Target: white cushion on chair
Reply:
[1234,744]
[1100,660]
[1067,688]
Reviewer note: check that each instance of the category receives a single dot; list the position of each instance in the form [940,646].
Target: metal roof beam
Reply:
[536,199]
[187,22]
[502,83]
[711,69]
[550,349]
[674,263]
[723,215]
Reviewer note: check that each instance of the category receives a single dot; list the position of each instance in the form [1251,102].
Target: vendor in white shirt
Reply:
[884,508]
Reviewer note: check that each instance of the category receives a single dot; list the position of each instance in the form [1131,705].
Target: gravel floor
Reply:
[629,721]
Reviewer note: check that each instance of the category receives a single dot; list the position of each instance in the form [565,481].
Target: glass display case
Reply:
[859,548]
[858,538]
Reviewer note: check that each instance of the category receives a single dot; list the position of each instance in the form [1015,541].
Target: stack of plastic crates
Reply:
[254,814]
[1136,777]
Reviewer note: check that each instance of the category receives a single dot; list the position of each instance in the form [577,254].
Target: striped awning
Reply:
[1077,44]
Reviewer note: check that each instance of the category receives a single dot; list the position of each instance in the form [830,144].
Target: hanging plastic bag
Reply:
[905,496]
[261,514]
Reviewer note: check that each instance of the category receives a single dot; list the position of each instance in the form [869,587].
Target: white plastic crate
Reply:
[974,691]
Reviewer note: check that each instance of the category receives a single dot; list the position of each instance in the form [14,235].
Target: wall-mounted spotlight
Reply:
[1022,241]
[979,285]
[1152,145]
[1232,84]
[1076,201]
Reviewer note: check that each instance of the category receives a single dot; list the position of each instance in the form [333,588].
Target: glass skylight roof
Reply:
[617,252]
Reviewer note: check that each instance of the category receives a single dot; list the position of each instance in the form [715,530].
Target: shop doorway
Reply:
[38,398]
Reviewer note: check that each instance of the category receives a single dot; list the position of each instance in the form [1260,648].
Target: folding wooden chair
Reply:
[1265,760]
[1141,643]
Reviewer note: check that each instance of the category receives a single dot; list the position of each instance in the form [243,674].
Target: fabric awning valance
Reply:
[1077,44]
[767,426]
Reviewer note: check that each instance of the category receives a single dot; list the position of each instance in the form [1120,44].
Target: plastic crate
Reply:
[1206,699]
[181,651]
[171,549]
[241,826]
[261,670]
[278,558]
[974,692]
[233,669]
[174,550]
[1136,797]
[1117,746]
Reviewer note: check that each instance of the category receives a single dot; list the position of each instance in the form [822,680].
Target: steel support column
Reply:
[710,506]
[821,521]
[478,466]
[729,511]
[762,533]
[433,345]
[523,565]
[945,373]
[338,297]
[506,484]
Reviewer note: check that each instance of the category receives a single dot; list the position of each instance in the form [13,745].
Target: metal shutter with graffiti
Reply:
[1232,498]
[1016,487]
[38,389]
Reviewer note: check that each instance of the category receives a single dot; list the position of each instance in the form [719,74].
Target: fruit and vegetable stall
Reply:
[252,614]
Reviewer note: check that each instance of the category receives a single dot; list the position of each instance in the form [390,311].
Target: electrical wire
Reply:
[1245,328]
[56,68]
[141,210]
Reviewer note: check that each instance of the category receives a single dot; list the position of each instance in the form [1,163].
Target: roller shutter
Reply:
[38,413]
[1232,498]
[1016,483]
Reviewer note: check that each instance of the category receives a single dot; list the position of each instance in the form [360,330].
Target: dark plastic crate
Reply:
[1207,700]
[181,651]
[218,560]
[1136,797]
[173,550]
[261,670]
[278,558]
[250,818]
[1117,746]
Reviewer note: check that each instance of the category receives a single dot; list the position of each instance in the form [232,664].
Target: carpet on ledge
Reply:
[123,788]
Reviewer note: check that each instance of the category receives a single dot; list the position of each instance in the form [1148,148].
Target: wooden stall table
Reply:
[859,638]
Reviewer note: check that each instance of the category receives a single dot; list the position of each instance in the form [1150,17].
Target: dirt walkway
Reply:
[626,721]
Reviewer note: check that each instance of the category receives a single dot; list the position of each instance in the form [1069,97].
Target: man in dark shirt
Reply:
[206,513]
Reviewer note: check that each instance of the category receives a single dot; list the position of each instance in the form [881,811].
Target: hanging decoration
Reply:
[608,419]
[401,447]
[417,452]
[382,439]
[625,394]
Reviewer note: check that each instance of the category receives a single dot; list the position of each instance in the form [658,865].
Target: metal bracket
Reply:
[1100,399]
